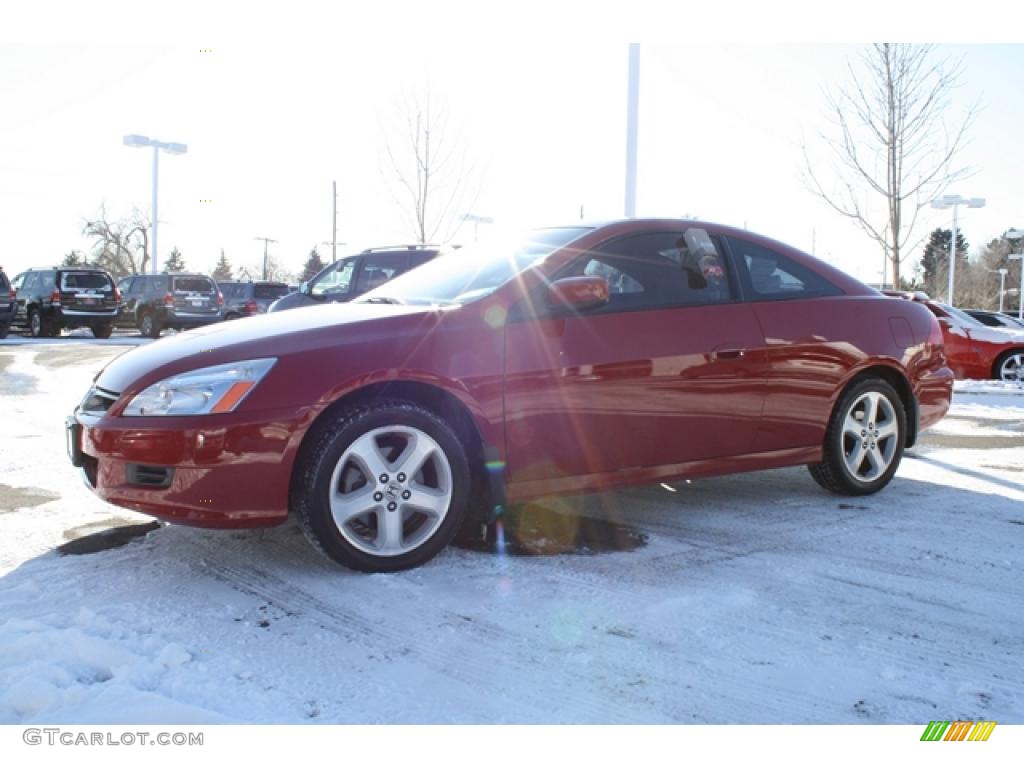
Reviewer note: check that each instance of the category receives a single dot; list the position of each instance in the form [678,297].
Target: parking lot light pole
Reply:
[135,140]
[1002,284]
[1018,234]
[952,201]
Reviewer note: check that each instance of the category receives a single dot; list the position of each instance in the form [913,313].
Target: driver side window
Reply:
[337,280]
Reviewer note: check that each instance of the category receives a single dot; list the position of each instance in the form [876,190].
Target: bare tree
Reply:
[120,246]
[891,142]
[430,164]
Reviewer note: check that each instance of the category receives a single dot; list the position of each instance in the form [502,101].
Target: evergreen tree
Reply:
[313,265]
[223,269]
[175,262]
[73,259]
[935,260]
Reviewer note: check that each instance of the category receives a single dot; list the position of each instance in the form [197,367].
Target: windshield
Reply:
[470,273]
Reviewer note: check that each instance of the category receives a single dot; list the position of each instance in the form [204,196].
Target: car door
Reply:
[806,350]
[663,374]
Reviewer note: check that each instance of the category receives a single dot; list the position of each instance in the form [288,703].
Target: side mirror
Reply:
[304,288]
[578,293]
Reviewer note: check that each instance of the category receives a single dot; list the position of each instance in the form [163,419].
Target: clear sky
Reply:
[273,114]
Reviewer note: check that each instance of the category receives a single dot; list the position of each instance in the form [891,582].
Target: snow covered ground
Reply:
[747,599]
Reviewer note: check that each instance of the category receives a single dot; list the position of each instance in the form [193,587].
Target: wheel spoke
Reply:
[366,453]
[871,408]
[888,429]
[417,451]
[347,506]
[874,457]
[853,427]
[389,531]
[431,501]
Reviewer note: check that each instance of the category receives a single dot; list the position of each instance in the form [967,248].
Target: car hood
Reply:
[266,335]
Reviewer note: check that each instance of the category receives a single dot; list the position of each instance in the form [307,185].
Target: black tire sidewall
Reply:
[854,485]
[334,441]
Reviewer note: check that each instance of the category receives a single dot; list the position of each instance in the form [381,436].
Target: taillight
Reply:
[55,297]
[250,307]
[220,299]
[117,294]
[168,299]
[14,295]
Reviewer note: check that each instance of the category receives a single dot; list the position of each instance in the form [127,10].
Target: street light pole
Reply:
[135,140]
[952,201]
[1002,284]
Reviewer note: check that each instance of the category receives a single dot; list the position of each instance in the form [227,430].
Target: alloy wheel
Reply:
[390,490]
[870,436]
[1012,367]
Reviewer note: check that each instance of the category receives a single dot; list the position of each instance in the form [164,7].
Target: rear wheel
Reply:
[149,326]
[1010,366]
[382,487]
[36,327]
[864,440]
[4,329]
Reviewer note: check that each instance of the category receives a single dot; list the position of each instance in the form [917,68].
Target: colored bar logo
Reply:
[958,730]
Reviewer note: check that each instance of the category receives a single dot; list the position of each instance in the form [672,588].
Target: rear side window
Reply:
[72,281]
[767,274]
[232,290]
[193,285]
[271,291]
[4,285]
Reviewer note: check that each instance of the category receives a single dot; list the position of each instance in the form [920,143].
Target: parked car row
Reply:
[47,300]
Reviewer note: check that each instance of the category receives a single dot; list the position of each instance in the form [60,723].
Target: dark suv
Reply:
[8,304]
[53,298]
[250,298]
[354,275]
[169,300]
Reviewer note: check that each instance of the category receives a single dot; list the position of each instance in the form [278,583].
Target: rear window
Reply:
[271,291]
[98,281]
[4,285]
[232,290]
[193,285]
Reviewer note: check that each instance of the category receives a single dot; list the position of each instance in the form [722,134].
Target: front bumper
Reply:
[225,471]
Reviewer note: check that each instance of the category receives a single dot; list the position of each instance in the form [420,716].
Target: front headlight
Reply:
[217,389]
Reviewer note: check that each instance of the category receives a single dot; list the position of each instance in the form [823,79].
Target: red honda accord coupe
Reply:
[570,360]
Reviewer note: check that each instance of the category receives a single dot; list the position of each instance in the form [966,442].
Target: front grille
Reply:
[97,401]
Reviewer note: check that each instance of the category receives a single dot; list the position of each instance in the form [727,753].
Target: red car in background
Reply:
[975,350]
[571,360]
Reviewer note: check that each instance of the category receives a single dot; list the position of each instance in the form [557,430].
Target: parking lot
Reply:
[753,598]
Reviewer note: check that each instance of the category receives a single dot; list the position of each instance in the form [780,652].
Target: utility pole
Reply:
[632,108]
[265,241]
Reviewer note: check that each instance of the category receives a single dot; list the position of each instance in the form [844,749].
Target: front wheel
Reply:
[1010,366]
[382,487]
[864,440]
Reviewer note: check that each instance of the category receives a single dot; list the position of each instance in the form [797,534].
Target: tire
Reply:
[4,330]
[355,480]
[1010,366]
[103,331]
[36,327]
[149,326]
[861,452]
[232,316]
